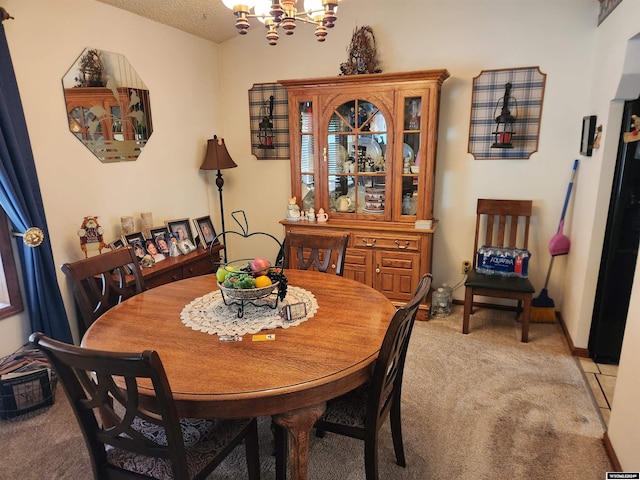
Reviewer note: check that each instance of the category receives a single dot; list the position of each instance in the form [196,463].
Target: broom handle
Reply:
[566,199]
[546,282]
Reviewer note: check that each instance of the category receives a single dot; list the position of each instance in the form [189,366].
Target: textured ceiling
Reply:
[208,19]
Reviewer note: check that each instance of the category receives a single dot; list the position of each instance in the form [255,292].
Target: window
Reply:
[10,298]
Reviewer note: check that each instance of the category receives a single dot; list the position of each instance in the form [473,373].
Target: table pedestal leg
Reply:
[298,424]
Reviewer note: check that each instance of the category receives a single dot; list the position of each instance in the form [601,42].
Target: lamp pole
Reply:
[220,183]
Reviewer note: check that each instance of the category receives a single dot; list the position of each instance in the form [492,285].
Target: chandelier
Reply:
[283,13]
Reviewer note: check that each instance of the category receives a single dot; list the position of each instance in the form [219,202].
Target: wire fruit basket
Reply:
[267,296]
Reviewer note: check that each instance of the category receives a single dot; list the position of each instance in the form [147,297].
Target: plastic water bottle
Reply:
[449,291]
[440,306]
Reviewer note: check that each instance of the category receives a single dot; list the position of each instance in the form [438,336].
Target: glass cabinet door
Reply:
[356,159]
[307,155]
[412,142]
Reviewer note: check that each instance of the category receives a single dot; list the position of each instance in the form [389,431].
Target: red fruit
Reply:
[260,266]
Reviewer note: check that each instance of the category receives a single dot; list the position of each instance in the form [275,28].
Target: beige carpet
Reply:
[477,406]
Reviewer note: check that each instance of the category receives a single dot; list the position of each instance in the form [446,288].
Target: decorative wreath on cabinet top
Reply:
[527,88]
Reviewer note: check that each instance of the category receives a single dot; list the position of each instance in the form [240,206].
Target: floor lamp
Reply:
[218,158]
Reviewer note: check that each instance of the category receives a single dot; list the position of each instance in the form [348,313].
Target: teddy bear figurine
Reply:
[90,234]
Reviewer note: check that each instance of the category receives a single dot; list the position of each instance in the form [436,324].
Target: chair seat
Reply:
[349,409]
[498,282]
[203,440]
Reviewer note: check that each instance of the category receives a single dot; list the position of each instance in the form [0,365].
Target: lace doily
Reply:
[210,314]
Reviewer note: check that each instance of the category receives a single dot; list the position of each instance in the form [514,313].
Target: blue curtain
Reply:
[21,199]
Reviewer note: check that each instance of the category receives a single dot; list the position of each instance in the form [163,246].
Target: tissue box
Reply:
[507,262]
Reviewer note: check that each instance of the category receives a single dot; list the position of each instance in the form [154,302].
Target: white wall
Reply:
[45,38]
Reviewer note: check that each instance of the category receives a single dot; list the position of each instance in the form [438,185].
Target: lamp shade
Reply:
[217,156]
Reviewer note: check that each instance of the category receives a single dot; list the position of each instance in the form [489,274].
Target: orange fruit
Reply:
[262,281]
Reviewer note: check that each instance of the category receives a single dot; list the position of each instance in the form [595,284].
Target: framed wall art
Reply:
[606,7]
[269,119]
[588,135]
[523,88]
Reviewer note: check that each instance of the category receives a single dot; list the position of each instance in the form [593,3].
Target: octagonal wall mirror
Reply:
[108,106]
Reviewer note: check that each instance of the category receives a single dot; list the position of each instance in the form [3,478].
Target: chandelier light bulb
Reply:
[283,13]
[233,4]
[261,8]
[313,9]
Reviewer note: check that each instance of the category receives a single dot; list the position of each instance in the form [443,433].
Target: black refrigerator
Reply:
[620,249]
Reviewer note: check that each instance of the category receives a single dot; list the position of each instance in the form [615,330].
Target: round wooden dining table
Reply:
[289,378]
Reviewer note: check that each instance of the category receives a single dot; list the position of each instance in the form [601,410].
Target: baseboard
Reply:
[575,351]
[611,453]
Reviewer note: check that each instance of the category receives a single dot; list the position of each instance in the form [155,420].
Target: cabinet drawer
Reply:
[167,276]
[202,266]
[408,243]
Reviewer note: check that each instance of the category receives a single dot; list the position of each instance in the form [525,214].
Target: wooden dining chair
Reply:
[322,252]
[125,408]
[102,281]
[500,224]
[361,413]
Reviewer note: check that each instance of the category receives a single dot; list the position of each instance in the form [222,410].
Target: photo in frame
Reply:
[206,231]
[181,227]
[186,242]
[152,248]
[117,243]
[588,135]
[158,232]
[133,237]
[138,248]
[172,243]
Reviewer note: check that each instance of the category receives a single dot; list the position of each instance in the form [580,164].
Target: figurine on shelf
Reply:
[293,210]
[322,216]
[311,215]
[90,234]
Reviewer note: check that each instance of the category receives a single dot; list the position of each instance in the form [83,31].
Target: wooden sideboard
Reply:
[171,269]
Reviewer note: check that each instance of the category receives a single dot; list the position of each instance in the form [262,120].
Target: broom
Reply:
[542,307]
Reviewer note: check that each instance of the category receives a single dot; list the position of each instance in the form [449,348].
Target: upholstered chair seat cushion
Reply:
[203,440]
[349,409]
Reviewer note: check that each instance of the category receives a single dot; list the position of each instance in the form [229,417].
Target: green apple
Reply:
[221,274]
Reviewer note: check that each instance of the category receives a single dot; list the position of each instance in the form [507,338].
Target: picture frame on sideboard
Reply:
[206,231]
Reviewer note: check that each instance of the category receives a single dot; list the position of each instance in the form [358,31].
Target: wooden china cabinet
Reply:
[363,148]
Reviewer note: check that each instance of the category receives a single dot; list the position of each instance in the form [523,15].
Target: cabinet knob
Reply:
[368,243]
[378,269]
[333,265]
[402,247]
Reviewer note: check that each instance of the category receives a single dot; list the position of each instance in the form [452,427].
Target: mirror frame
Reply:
[108,105]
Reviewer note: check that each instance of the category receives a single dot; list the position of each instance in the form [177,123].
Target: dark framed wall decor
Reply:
[606,7]
[259,107]
[527,92]
[588,135]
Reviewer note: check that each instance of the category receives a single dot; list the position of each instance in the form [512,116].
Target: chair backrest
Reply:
[89,379]
[100,282]
[323,251]
[386,382]
[502,223]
